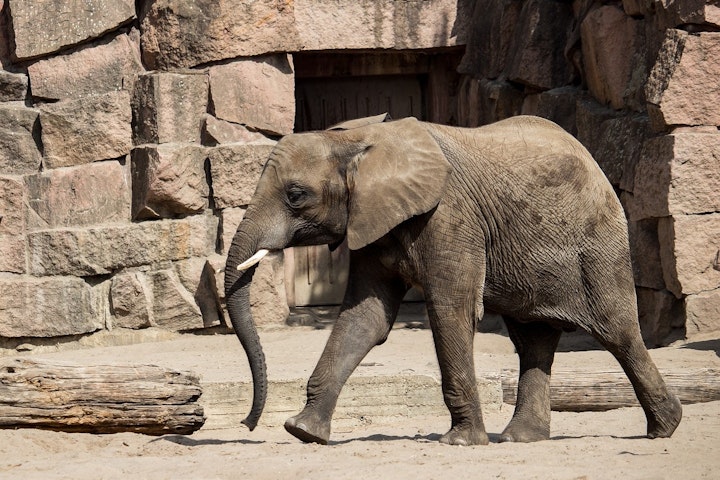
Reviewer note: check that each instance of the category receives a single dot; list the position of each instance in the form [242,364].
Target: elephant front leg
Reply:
[453,332]
[369,310]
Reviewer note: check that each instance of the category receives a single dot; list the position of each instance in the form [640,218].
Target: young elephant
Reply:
[515,217]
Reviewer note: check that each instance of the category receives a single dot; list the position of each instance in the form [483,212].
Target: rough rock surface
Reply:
[125,186]
[677,174]
[258,93]
[168,180]
[186,33]
[684,96]
[48,307]
[689,249]
[169,107]
[78,196]
[100,250]
[39,29]
[19,136]
[98,68]
[86,130]
[236,169]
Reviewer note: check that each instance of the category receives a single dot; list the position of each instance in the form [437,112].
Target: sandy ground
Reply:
[583,445]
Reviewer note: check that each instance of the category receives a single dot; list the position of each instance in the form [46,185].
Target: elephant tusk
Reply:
[253,260]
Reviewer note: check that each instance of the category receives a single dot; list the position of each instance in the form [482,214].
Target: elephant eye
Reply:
[295,195]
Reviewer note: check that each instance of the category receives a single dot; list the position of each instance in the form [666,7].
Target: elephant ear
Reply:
[361,122]
[400,172]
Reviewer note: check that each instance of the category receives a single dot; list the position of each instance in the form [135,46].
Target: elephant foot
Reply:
[308,428]
[524,433]
[667,419]
[465,435]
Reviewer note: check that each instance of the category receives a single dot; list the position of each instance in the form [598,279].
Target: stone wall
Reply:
[637,82]
[132,134]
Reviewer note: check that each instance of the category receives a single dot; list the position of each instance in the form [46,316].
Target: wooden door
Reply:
[320,277]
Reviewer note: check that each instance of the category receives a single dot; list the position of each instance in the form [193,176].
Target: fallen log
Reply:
[599,390]
[99,398]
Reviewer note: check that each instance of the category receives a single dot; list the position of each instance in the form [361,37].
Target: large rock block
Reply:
[258,93]
[690,252]
[658,313]
[682,88]
[590,116]
[186,33]
[639,7]
[558,105]
[677,174]
[169,107]
[13,86]
[490,36]
[482,101]
[19,136]
[12,225]
[87,129]
[83,195]
[540,36]
[702,313]
[47,27]
[235,171]
[230,218]
[130,301]
[12,253]
[12,206]
[615,142]
[181,298]
[49,307]
[612,47]
[5,45]
[200,279]
[101,250]
[168,180]
[381,24]
[98,68]
[675,13]
[219,132]
[645,254]
[173,306]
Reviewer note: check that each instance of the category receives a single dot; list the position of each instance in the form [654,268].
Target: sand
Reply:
[592,445]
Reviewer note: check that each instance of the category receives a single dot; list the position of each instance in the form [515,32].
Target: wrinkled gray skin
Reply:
[513,217]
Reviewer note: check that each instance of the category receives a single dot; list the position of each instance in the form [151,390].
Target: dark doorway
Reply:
[334,87]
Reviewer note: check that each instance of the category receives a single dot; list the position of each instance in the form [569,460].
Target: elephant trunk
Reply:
[237,297]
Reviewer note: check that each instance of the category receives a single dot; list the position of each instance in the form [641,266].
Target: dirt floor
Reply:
[583,445]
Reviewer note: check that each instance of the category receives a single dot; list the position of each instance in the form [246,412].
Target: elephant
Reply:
[514,217]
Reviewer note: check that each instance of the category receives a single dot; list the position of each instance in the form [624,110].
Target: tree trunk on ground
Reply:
[99,398]
[597,390]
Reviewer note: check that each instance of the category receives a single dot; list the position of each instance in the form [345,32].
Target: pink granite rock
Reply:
[97,68]
[42,28]
[258,93]
[98,193]
[683,83]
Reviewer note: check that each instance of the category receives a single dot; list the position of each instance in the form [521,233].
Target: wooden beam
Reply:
[98,398]
[598,390]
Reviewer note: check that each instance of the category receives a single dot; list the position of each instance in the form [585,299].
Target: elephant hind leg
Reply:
[535,343]
[613,321]
[662,408]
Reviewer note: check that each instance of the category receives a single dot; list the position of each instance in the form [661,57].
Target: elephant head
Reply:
[358,181]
